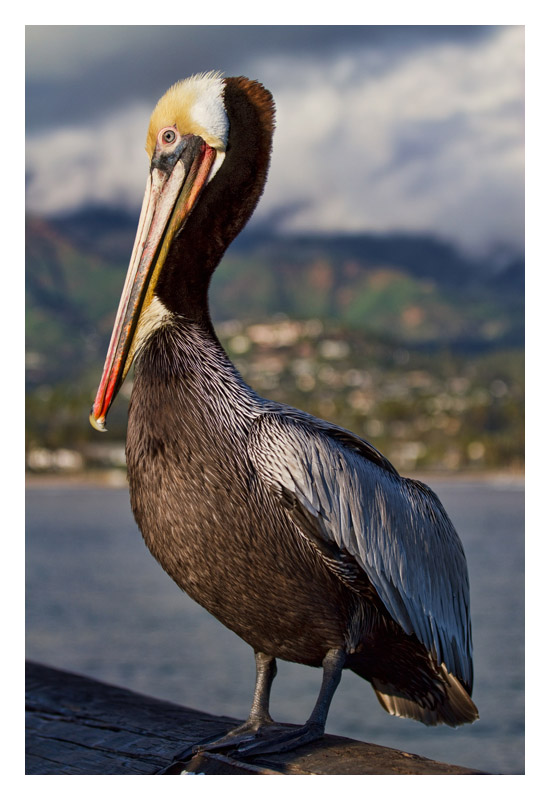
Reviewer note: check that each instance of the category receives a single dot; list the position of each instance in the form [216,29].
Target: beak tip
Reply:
[98,423]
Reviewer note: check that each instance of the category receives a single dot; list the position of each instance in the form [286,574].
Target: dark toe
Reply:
[282,742]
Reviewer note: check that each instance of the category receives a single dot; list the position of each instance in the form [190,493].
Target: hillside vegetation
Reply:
[399,338]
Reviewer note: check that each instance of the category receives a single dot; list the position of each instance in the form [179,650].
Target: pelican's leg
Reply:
[266,669]
[259,717]
[314,728]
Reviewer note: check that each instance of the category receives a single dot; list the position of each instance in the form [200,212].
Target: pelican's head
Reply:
[191,106]
[187,142]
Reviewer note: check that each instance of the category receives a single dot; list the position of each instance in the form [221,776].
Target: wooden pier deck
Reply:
[79,726]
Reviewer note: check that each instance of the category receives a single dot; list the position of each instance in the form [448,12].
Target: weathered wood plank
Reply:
[79,726]
[73,722]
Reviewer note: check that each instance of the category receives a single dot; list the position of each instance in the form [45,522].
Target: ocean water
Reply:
[98,604]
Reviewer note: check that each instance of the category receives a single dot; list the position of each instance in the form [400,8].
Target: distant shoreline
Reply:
[116,478]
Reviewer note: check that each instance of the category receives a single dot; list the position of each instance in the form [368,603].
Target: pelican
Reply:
[296,534]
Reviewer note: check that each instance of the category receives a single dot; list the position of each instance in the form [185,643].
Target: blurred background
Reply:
[380,284]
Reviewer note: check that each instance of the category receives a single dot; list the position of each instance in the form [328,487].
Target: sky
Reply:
[415,129]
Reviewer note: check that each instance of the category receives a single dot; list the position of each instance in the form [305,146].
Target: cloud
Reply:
[77,165]
[81,72]
[434,144]
[425,138]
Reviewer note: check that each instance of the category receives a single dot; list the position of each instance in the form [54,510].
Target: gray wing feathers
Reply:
[396,529]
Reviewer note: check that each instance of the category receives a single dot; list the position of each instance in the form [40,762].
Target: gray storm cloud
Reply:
[431,141]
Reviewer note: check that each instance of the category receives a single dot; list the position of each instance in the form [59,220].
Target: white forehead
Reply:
[207,107]
[195,105]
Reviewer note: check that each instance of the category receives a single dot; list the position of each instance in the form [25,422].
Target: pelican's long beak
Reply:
[171,192]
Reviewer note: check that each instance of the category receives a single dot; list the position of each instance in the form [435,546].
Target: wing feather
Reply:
[396,529]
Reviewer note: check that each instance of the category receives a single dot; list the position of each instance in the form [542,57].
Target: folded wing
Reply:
[394,528]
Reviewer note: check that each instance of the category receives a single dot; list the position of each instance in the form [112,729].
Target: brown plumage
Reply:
[294,533]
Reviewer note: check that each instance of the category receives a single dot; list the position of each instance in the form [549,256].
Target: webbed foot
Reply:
[240,735]
[243,734]
[283,740]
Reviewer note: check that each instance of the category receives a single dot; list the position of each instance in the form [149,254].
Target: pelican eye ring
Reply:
[169,136]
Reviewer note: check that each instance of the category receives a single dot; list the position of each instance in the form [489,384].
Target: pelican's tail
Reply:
[452,706]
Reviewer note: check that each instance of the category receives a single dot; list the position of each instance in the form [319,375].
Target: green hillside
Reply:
[426,365]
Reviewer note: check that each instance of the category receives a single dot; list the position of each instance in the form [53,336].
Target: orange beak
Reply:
[170,195]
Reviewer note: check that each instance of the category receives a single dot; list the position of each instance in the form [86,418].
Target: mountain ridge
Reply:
[418,288]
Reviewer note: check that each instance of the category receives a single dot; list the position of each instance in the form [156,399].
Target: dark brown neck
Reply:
[225,205]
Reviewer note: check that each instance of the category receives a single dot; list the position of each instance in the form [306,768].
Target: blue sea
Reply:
[99,605]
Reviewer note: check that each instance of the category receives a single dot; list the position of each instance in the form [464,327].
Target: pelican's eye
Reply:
[168,136]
